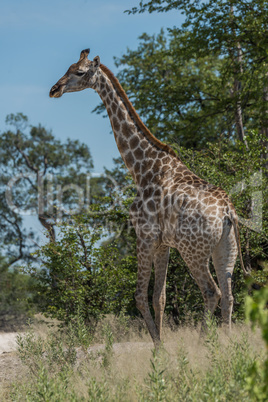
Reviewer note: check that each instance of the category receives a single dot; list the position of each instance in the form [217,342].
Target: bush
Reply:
[17,298]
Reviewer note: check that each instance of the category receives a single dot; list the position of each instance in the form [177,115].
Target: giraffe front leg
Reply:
[145,259]
[161,257]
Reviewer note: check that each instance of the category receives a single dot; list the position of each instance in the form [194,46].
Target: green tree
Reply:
[178,94]
[235,32]
[40,176]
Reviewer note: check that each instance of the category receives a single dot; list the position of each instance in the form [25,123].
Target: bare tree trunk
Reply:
[43,219]
[238,113]
[237,93]
[264,129]
[237,57]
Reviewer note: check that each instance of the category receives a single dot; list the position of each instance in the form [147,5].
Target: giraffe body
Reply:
[173,207]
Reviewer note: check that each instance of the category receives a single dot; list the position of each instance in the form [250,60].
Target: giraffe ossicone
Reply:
[173,207]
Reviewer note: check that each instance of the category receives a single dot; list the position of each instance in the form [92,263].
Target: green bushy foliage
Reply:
[257,314]
[17,297]
[80,275]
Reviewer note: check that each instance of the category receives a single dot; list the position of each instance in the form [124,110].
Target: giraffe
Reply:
[173,206]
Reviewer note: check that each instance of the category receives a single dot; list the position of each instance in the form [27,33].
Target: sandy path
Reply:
[8,342]
[12,368]
[10,364]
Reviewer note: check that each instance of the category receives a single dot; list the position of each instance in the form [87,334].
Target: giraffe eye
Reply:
[80,73]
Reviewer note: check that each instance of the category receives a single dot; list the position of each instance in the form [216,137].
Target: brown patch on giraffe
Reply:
[157,192]
[137,176]
[210,200]
[153,153]
[134,142]
[185,243]
[147,165]
[120,115]
[194,204]
[173,219]
[156,166]
[165,168]
[151,206]
[115,123]
[144,144]
[139,204]
[137,166]
[166,201]
[148,176]
[212,210]
[221,203]
[109,111]
[143,182]
[129,159]
[107,87]
[128,118]
[194,229]
[139,154]
[202,183]
[122,144]
[126,130]
[174,188]
[166,159]
[188,178]
[134,207]
[182,168]
[114,107]
[147,193]
[196,182]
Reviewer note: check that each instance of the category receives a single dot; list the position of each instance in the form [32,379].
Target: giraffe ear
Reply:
[96,62]
[84,54]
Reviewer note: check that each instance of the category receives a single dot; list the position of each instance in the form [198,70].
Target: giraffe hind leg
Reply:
[224,257]
[211,293]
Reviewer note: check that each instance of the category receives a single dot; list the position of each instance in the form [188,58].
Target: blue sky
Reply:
[40,39]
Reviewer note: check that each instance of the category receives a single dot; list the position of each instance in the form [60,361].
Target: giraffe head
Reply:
[80,75]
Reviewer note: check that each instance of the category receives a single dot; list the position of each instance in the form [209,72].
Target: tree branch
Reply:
[28,163]
[49,226]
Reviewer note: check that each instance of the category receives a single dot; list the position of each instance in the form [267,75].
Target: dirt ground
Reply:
[10,364]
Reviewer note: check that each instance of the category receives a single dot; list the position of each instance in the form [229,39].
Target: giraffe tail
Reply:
[234,220]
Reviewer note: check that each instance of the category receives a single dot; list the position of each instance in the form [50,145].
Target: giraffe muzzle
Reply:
[56,91]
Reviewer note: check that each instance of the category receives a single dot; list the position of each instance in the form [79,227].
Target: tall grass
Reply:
[61,366]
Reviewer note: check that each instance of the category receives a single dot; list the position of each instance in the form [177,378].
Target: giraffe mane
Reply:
[147,133]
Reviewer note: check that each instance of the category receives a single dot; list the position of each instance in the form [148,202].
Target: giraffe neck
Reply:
[136,144]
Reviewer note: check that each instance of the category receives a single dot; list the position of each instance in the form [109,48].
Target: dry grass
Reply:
[119,363]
